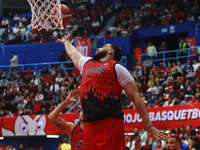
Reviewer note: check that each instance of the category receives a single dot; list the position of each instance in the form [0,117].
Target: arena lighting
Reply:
[52,136]
[1,137]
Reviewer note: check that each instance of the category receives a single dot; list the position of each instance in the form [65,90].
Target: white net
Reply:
[46,14]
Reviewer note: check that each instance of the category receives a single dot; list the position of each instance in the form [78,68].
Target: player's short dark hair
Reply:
[177,140]
[117,52]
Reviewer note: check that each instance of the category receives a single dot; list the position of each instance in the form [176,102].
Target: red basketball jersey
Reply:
[100,91]
[77,139]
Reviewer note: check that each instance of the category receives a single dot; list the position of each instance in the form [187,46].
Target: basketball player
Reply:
[174,143]
[75,132]
[101,86]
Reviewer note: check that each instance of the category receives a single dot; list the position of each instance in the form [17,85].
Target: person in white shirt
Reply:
[13,61]
[16,18]
[5,23]
[112,27]
[15,29]
[151,49]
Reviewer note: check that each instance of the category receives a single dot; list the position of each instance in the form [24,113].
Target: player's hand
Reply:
[73,97]
[156,134]
[66,37]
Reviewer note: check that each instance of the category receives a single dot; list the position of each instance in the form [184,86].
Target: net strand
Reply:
[46,14]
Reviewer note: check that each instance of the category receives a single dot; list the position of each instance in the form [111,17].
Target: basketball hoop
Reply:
[46,14]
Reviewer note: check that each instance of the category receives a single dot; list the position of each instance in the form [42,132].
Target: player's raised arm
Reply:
[133,94]
[70,49]
[59,122]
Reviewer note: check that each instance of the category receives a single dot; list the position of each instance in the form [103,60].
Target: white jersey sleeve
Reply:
[82,62]
[123,75]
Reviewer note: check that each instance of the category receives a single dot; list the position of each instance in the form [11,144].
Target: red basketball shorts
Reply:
[104,134]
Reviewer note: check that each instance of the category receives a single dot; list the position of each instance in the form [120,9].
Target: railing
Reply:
[174,55]
[39,66]
[68,65]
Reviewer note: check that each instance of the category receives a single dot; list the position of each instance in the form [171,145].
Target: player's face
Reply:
[105,47]
[102,52]
[172,144]
[81,116]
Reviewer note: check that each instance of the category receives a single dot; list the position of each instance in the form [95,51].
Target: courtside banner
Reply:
[83,45]
[168,117]
[39,125]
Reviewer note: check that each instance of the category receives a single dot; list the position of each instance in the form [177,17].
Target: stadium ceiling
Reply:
[15,4]
[22,3]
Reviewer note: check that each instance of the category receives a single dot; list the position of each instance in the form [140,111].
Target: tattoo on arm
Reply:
[60,123]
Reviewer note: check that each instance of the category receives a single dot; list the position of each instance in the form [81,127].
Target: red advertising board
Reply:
[168,117]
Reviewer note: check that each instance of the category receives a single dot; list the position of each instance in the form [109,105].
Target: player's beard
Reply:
[100,55]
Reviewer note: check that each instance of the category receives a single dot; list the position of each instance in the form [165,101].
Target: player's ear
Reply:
[110,51]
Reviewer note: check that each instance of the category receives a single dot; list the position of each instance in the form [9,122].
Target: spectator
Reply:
[59,70]
[16,29]
[124,31]
[194,100]
[11,38]
[18,97]
[13,61]
[4,38]
[21,105]
[195,64]
[143,135]
[137,73]
[59,79]
[37,74]
[162,47]
[9,29]
[45,71]
[148,63]
[16,18]
[5,22]
[37,107]
[48,78]
[137,52]
[189,130]
[159,145]
[7,74]
[191,74]
[95,26]
[151,49]
[186,100]
[169,102]
[39,97]
[63,56]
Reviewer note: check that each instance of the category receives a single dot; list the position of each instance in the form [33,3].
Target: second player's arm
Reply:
[59,122]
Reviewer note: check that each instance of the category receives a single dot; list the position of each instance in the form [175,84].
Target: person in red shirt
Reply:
[75,132]
[162,69]
[37,107]
[48,78]
[76,71]
[29,73]
[154,70]
[86,35]
[138,51]
[194,100]
[159,145]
